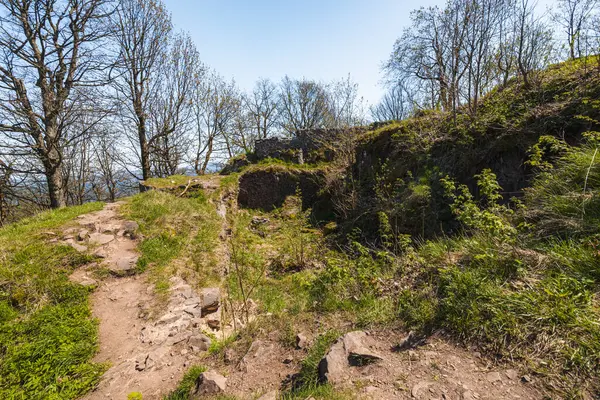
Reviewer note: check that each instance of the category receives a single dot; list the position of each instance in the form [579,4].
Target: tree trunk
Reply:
[56,189]
[207,157]
[144,149]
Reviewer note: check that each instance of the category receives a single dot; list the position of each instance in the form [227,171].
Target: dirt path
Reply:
[146,355]
[149,346]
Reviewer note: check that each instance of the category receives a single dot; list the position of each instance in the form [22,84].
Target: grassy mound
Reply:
[47,333]
[399,165]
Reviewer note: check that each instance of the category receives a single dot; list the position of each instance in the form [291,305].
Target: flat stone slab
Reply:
[100,238]
[76,246]
[124,266]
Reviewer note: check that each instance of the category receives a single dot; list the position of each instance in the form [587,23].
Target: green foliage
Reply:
[564,200]
[516,293]
[396,243]
[490,219]
[417,309]
[546,150]
[217,346]
[298,243]
[187,383]
[352,283]
[47,333]
[135,396]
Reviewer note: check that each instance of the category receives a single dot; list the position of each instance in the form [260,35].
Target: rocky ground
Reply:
[371,365]
[149,345]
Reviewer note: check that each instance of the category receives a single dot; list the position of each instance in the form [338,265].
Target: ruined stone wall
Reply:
[303,145]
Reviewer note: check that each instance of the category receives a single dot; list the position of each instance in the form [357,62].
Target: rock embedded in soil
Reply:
[493,376]
[76,246]
[420,389]
[124,266]
[83,234]
[210,300]
[301,341]
[333,366]
[88,282]
[100,239]
[129,228]
[358,353]
[347,351]
[201,342]
[209,383]
[193,311]
[272,395]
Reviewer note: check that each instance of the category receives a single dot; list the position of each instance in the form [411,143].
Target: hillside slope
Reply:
[398,166]
[405,271]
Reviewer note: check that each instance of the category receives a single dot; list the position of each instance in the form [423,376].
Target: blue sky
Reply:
[321,40]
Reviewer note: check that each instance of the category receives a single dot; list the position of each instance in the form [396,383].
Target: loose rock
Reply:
[210,300]
[269,396]
[347,351]
[358,354]
[209,383]
[301,341]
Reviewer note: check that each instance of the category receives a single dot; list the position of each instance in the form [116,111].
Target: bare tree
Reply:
[243,134]
[142,29]
[394,105]
[263,108]
[171,111]
[451,57]
[430,52]
[303,105]
[6,188]
[534,40]
[48,49]
[78,170]
[216,105]
[574,17]
[345,107]
[106,181]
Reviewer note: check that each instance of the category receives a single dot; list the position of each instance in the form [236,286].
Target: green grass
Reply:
[525,296]
[307,383]
[175,229]
[187,383]
[171,181]
[47,333]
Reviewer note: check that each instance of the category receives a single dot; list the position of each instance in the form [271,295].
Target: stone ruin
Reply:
[307,145]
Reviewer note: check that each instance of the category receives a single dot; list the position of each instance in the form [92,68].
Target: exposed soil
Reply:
[147,353]
[149,348]
[436,370]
